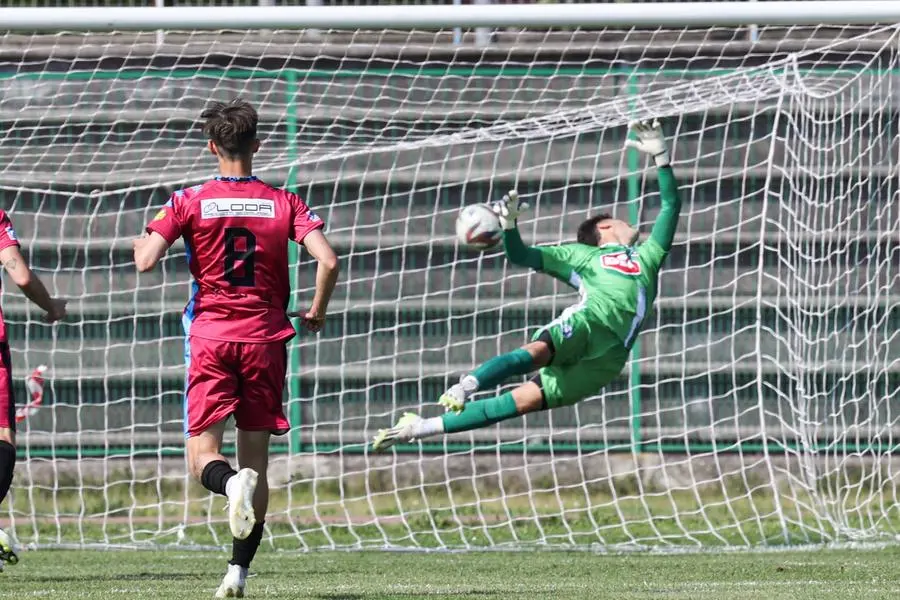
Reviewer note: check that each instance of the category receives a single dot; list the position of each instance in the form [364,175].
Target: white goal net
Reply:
[762,402]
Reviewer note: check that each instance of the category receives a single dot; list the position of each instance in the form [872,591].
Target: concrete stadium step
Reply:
[608,421]
[433,346]
[439,335]
[418,285]
[694,398]
[735,223]
[75,415]
[145,411]
[144,163]
[418,275]
[124,421]
[462,315]
[411,94]
[485,277]
[785,370]
[98,319]
[399,216]
[692,348]
[719,127]
[118,357]
[152,163]
[728,46]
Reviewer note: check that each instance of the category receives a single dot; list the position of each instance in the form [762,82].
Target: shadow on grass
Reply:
[167,576]
[413,594]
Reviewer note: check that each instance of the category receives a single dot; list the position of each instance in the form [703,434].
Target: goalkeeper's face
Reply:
[616,231]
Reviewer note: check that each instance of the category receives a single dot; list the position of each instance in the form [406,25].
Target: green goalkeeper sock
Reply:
[481,413]
[498,369]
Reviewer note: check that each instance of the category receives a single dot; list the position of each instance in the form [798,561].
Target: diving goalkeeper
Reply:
[587,346]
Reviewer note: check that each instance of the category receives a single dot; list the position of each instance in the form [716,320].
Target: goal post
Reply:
[762,408]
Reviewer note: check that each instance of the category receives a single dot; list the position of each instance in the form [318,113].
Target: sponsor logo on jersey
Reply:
[11,233]
[219,208]
[621,262]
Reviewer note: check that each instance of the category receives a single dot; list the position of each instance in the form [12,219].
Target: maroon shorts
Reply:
[7,396]
[235,378]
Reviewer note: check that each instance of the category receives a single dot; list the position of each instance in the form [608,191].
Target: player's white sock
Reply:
[428,427]
[230,486]
[241,573]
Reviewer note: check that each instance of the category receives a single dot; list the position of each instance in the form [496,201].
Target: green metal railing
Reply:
[294,409]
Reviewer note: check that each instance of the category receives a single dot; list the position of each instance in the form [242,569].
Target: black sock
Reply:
[243,551]
[7,464]
[215,475]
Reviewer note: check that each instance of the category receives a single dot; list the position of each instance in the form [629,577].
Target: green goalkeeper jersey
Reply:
[617,283]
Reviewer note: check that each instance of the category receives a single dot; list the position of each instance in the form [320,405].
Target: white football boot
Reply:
[233,583]
[7,550]
[403,431]
[241,516]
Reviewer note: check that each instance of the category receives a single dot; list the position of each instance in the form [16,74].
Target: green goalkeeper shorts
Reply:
[588,355]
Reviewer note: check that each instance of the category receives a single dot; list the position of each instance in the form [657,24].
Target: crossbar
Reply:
[402,17]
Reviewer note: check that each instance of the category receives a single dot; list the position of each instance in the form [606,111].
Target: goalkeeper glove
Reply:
[508,209]
[650,140]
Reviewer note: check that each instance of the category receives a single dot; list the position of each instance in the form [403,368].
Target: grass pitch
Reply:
[795,575]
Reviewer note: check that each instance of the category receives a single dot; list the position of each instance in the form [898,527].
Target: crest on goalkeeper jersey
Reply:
[621,262]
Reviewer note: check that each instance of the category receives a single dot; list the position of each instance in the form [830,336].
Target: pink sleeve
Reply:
[7,233]
[167,222]
[305,220]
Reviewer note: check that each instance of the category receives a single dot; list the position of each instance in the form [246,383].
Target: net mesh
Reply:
[760,406]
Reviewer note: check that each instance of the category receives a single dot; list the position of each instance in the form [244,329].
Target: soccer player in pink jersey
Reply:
[17,267]
[236,231]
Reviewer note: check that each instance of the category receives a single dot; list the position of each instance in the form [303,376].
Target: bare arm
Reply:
[30,284]
[326,277]
[149,250]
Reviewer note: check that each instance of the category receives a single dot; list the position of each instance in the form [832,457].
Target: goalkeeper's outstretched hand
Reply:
[650,140]
[508,209]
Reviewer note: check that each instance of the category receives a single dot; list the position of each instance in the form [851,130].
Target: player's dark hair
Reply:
[587,231]
[232,127]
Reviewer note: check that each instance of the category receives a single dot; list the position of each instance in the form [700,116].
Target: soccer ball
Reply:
[478,227]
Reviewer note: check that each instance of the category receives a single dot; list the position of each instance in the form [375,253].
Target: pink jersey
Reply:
[236,233]
[7,238]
